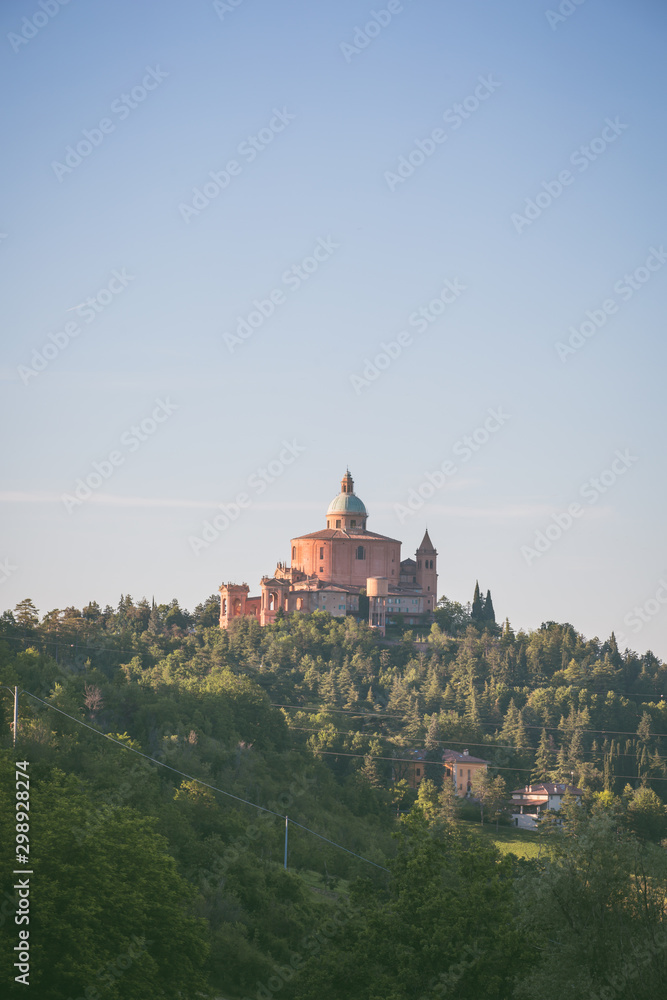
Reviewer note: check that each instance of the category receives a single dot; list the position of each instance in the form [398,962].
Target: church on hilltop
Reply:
[344,569]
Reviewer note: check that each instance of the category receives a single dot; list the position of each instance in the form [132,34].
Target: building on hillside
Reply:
[462,768]
[331,569]
[528,803]
[459,767]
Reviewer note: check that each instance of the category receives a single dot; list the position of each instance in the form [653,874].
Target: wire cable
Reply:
[199,781]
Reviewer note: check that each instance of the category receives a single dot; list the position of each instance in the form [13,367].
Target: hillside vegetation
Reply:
[159,853]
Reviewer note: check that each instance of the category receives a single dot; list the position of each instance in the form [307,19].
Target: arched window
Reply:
[224,605]
[431,566]
[237,606]
[294,552]
[361,553]
[273,600]
[299,603]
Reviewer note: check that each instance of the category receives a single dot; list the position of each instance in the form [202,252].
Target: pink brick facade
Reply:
[330,568]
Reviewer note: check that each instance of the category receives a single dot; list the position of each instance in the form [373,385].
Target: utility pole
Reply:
[15,692]
[286,832]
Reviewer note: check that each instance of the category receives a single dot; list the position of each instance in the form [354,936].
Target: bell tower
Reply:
[427,570]
[233,597]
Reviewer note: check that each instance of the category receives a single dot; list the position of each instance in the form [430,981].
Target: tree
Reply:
[594,914]
[647,814]
[477,612]
[489,613]
[370,773]
[543,759]
[399,794]
[440,926]
[448,801]
[427,799]
[26,615]
[452,617]
[93,700]
[433,751]
[207,615]
[489,792]
[112,917]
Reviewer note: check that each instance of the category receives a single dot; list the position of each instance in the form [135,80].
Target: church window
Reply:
[353,524]
[419,564]
[322,571]
[321,552]
[338,524]
[273,601]
[294,552]
[224,605]
[361,554]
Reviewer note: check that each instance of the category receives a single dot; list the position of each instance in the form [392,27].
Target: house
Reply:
[528,803]
[459,767]
[462,768]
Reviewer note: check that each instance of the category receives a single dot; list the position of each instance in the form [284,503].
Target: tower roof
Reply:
[426,543]
[346,502]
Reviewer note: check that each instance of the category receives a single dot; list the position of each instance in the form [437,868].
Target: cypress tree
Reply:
[489,613]
[477,611]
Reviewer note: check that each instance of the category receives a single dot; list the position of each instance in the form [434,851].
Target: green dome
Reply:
[346,503]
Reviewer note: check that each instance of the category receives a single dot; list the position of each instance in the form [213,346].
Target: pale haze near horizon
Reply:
[580,426]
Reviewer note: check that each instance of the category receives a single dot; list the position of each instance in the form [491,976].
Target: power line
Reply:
[487,723]
[444,744]
[199,780]
[411,760]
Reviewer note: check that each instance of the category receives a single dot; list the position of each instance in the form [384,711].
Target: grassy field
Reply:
[508,839]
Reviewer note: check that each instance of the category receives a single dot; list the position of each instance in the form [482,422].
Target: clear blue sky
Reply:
[335,113]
